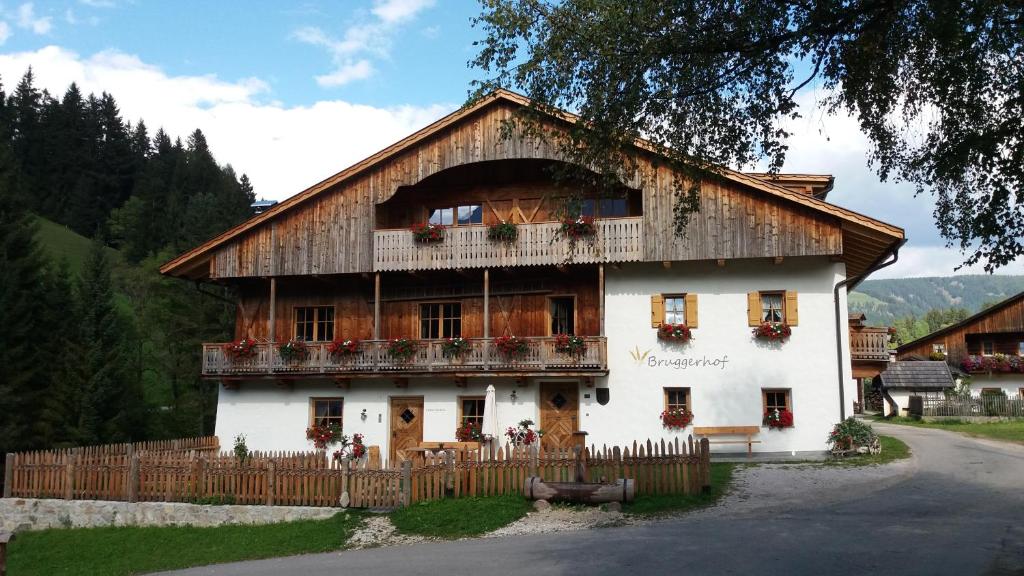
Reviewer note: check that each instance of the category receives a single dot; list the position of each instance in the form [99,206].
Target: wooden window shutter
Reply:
[691,310]
[791,308]
[657,310]
[753,308]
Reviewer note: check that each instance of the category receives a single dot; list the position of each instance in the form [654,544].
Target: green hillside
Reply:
[885,300]
[59,242]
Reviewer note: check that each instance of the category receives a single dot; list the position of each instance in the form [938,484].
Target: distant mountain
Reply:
[885,300]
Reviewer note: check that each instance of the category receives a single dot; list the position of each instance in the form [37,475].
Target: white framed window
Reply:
[773,307]
[675,309]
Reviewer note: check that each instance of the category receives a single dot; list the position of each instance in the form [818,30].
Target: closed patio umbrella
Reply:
[489,427]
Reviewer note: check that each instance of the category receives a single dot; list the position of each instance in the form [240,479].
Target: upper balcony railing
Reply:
[871,344]
[617,240]
[372,356]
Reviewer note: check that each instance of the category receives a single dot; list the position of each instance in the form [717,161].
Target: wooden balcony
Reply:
[869,345]
[372,359]
[617,240]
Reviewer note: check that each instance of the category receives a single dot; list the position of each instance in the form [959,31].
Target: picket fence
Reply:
[983,405]
[311,479]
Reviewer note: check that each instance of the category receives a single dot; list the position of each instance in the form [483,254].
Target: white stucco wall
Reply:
[1011,384]
[275,418]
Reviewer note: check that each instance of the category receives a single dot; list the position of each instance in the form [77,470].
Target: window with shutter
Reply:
[657,310]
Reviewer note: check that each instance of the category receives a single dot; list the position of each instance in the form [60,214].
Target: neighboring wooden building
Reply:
[989,346]
[338,262]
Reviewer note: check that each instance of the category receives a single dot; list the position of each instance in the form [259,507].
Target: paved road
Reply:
[958,509]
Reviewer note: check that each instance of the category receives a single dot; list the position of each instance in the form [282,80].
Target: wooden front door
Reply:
[559,413]
[406,424]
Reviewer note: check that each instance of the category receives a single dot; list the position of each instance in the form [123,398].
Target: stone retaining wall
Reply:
[19,514]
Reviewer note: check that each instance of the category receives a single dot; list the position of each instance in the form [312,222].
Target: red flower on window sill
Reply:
[677,332]
[425,233]
[676,419]
[772,331]
[778,419]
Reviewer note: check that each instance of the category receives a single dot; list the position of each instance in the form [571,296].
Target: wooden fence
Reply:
[310,479]
[983,405]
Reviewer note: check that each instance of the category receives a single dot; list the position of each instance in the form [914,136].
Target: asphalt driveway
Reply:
[957,508]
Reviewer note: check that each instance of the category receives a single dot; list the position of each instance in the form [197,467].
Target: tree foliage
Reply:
[937,87]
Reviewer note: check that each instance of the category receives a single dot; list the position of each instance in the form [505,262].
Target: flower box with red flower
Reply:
[243,349]
[675,332]
[343,348]
[324,436]
[427,233]
[469,432]
[676,418]
[503,232]
[778,419]
[579,227]
[511,347]
[570,345]
[997,363]
[455,348]
[401,349]
[293,351]
[772,331]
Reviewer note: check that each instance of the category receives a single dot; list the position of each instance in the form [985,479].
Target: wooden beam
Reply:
[667,264]
[401,382]
[720,262]
[376,306]
[600,297]
[343,383]
[487,303]
[272,324]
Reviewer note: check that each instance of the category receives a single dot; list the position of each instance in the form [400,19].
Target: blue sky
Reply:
[291,94]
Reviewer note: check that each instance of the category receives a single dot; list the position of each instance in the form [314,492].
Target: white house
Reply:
[349,268]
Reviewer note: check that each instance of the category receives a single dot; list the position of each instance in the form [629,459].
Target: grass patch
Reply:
[459,517]
[892,449]
[652,505]
[133,550]
[1009,431]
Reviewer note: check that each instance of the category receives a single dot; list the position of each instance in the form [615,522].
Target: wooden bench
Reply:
[5,537]
[748,431]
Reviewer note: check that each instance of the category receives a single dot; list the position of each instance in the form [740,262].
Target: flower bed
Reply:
[343,348]
[778,419]
[427,233]
[676,332]
[293,351]
[772,331]
[240,349]
[469,432]
[570,345]
[511,347]
[853,436]
[455,348]
[676,419]
[503,232]
[996,363]
[401,349]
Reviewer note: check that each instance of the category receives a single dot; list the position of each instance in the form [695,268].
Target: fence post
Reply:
[69,478]
[705,461]
[271,482]
[406,483]
[133,478]
[8,474]
[534,457]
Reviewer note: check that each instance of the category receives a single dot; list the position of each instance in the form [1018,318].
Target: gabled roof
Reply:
[758,182]
[928,374]
[969,320]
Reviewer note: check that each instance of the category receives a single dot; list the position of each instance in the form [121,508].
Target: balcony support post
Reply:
[487,316]
[600,296]
[376,306]
[272,324]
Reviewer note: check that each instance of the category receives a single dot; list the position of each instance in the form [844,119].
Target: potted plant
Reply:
[511,347]
[324,436]
[240,349]
[293,351]
[469,432]
[778,419]
[350,450]
[570,345]
[578,227]
[675,332]
[427,233]
[676,418]
[772,331]
[503,232]
[455,348]
[523,434]
[852,436]
[401,349]
[343,348]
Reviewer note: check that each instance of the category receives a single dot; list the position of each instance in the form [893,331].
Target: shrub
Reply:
[850,433]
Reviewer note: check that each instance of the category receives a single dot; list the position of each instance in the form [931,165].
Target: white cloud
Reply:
[283,149]
[918,261]
[98,3]
[5,32]
[367,37]
[27,19]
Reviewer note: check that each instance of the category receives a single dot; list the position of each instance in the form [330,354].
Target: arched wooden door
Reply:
[406,424]
[559,413]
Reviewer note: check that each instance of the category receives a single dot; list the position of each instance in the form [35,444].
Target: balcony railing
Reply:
[617,240]
[870,344]
[372,357]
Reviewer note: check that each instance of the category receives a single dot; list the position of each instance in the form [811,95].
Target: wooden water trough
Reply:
[535,488]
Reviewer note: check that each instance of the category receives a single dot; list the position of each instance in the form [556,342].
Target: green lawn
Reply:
[59,241]
[132,550]
[461,517]
[1010,431]
[721,477]
[892,449]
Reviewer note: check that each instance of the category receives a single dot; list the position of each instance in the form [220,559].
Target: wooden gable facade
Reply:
[1001,326]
